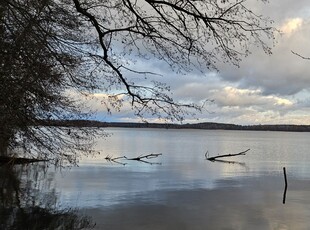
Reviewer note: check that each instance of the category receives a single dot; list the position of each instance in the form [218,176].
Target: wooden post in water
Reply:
[285,189]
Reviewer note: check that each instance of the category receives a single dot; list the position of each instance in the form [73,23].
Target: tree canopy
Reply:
[53,50]
[40,61]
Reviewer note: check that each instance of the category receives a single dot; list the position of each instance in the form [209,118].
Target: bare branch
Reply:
[297,54]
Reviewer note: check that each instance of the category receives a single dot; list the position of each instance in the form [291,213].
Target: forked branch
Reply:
[141,158]
[149,156]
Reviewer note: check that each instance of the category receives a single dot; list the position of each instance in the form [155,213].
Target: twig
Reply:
[297,54]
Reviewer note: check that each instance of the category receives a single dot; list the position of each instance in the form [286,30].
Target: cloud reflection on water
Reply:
[249,203]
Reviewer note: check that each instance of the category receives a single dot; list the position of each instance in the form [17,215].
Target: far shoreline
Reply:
[203,125]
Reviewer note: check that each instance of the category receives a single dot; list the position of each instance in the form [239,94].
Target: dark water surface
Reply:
[179,190]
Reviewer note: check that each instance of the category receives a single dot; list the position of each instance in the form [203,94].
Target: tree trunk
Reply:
[4,143]
[3,149]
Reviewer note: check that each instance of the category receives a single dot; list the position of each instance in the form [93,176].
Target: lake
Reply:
[179,189]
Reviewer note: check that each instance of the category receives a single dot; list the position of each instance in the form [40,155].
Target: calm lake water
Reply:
[178,190]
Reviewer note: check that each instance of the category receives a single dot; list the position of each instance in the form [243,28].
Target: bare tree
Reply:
[53,49]
[185,34]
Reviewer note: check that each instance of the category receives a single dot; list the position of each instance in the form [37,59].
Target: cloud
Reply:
[231,96]
[281,73]
[234,104]
[248,106]
[291,25]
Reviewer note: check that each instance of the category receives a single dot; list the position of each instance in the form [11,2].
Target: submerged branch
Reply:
[141,158]
[149,156]
[115,159]
[227,155]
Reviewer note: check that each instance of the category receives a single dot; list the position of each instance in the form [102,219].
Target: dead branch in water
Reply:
[143,157]
[149,156]
[226,155]
[115,159]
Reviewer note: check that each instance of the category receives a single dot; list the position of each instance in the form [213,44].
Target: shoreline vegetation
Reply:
[204,125]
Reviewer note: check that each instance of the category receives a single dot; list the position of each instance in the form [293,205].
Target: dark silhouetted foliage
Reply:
[55,52]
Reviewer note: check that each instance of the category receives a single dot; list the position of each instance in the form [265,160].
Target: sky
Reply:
[265,89]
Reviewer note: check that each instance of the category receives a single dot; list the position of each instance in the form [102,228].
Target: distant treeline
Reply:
[204,125]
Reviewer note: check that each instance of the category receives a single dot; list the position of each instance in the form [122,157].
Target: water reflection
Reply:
[184,192]
[243,203]
[28,200]
[243,164]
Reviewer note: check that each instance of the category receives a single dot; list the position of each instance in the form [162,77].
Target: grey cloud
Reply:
[281,73]
[282,9]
